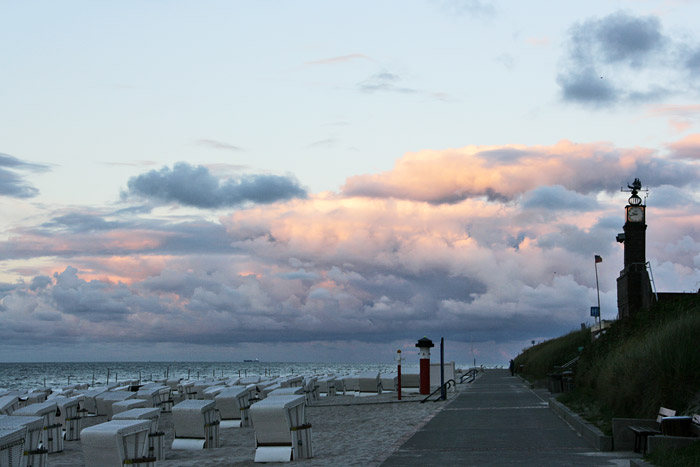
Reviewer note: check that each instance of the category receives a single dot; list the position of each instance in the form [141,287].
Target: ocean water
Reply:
[16,376]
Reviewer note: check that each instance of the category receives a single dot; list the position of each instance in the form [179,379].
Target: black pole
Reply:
[443,390]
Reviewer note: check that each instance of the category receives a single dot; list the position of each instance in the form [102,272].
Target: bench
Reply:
[641,432]
[676,432]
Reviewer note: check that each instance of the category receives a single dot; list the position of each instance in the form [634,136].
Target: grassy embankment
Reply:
[640,364]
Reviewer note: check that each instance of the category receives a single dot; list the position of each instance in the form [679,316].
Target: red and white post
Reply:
[424,346]
[398,379]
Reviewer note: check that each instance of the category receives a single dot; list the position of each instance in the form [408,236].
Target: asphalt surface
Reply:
[499,421]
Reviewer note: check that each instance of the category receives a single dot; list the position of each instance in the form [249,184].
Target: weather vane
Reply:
[634,188]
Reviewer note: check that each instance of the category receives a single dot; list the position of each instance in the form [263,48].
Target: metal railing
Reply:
[471,374]
[446,386]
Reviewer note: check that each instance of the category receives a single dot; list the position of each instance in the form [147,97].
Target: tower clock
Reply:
[633,285]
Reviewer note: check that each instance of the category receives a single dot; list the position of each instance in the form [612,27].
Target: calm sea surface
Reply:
[15,376]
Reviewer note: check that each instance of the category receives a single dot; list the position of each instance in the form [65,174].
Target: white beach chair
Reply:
[351,383]
[326,385]
[156,396]
[390,381]
[117,443]
[90,399]
[211,392]
[369,382]
[186,390]
[287,391]
[311,391]
[196,425]
[12,446]
[156,438]
[52,438]
[281,430]
[8,404]
[68,416]
[105,401]
[122,406]
[265,391]
[246,380]
[233,404]
[33,452]
[36,396]
[292,381]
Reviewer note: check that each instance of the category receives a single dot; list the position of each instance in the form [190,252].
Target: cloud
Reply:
[475,8]
[557,198]
[218,145]
[196,186]
[687,148]
[340,59]
[500,173]
[507,259]
[11,183]
[622,59]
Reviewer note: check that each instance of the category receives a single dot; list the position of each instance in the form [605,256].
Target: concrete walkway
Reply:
[498,421]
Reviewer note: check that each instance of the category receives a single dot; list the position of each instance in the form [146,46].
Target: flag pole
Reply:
[596,260]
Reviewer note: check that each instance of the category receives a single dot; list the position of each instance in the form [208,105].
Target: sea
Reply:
[56,375]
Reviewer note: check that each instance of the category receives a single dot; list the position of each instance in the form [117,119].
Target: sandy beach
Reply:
[346,431]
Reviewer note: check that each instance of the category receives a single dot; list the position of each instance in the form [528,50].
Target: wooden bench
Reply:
[641,433]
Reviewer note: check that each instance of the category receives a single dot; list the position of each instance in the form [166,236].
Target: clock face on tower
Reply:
[635,214]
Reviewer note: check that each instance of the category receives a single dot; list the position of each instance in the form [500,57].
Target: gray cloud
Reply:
[622,58]
[196,186]
[557,198]
[11,183]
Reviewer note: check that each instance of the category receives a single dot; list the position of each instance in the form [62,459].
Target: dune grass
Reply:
[688,456]
[642,363]
[539,360]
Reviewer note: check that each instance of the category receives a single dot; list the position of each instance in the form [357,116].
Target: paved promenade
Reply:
[498,421]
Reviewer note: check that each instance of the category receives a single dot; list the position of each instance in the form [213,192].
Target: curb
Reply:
[590,433]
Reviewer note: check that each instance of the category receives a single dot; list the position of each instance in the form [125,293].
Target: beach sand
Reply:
[347,430]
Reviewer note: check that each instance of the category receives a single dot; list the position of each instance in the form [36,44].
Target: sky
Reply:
[332,181]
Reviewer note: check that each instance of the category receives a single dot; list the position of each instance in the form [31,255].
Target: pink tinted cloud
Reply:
[501,172]
[687,148]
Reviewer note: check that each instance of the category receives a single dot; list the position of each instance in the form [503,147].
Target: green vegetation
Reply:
[539,360]
[688,456]
[639,364]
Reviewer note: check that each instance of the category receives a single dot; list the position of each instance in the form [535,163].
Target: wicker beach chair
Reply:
[12,446]
[33,453]
[52,438]
[282,432]
[117,443]
[233,404]
[156,438]
[196,425]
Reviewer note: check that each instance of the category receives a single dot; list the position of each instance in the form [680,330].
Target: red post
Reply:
[424,346]
[398,380]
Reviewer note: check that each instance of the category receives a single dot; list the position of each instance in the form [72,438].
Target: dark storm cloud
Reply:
[12,184]
[606,57]
[196,186]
